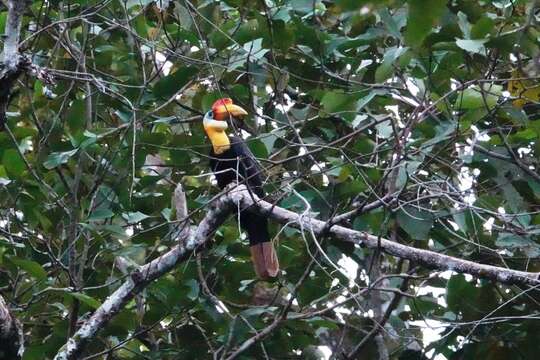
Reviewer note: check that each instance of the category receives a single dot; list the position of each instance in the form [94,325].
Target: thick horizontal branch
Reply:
[241,197]
[428,258]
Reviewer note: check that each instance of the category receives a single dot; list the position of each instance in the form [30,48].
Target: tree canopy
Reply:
[401,154]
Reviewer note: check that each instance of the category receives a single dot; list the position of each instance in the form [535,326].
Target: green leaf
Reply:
[13,163]
[169,85]
[384,129]
[340,104]
[512,241]
[464,24]
[114,230]
[270,139]
[3,17]
[134,217]
[305,6]
[472,46]
[349,188]
[459,292]
[366,100]
[405,171]
[423,16]
[258,148]
[351,4]
[482,28]
[390,23]
[75,116]
[58,158]
[183,15]
[131,3]
[89,139]
[359,119]
[209,98]
[193,287]
[31,267]
[417,223]
[476,97]
[100,214]
[425,306]
[386,69]
[254,49]
[281,13]
[88,300]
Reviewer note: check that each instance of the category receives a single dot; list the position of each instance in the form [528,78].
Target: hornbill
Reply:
[231,160]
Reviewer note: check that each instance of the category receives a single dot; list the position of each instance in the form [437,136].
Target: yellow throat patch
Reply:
[215,129]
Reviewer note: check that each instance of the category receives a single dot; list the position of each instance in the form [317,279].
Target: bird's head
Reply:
[215,122]
[224,108]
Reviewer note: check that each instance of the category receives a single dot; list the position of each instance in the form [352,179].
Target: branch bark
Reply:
[240,196]
[13,63]
[430,259]
[140,278]
[13,33]
[11,335]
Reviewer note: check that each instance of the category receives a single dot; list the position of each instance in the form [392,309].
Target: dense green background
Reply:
[356,100]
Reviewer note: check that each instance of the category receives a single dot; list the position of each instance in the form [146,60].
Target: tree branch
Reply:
[241,196]
[12,62]
[13,33]
[423,257]
[140,278]
[11,334]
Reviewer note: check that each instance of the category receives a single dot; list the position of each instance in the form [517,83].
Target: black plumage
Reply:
[239,165]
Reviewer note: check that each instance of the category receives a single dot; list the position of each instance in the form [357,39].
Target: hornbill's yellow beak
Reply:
[224,108]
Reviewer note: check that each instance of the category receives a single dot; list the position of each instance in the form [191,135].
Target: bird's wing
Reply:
[249,166]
